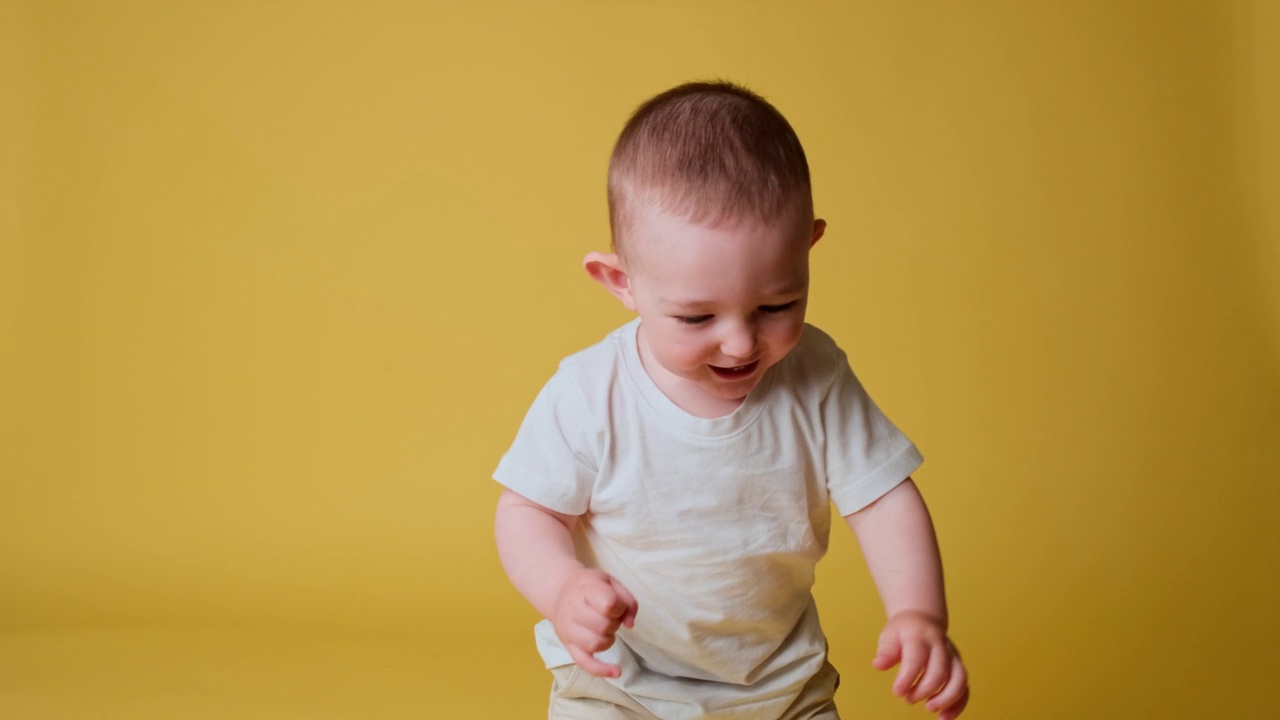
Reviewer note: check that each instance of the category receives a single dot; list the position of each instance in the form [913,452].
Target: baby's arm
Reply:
[585,605]
[898,542]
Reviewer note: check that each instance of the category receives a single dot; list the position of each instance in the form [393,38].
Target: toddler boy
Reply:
[667,496]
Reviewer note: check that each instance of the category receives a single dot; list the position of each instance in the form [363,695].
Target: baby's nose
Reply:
[739,343]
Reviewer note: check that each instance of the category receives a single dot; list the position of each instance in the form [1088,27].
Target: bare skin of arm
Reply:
[901,550]
[585,605]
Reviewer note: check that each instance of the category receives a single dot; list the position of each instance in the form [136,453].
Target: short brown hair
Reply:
[711,152]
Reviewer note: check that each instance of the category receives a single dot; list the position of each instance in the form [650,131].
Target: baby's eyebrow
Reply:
[790,288]
[684,304]
[689,304]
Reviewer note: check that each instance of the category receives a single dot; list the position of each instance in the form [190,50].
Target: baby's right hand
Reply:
[591,607]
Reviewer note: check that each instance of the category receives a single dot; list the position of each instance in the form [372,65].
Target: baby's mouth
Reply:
[735,373]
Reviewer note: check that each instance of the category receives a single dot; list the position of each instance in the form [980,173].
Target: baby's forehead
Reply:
[694,251]
[657,225]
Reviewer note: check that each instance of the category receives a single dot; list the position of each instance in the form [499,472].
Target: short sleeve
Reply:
[866,454]
[552,461]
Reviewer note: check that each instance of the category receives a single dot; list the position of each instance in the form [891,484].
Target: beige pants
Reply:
[579,695]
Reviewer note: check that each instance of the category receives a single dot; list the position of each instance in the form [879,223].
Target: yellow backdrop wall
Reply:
[278,281]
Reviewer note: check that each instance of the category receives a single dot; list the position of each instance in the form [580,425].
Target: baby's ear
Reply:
[819,228]
[607,270]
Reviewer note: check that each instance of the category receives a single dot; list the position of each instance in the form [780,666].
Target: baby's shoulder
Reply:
[590,374]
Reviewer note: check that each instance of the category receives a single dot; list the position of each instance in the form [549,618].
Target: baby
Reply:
[667,496]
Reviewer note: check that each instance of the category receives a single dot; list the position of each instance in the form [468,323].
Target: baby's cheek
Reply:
[789,337]
[688,354]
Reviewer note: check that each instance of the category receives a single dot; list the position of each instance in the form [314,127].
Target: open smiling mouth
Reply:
[735,373]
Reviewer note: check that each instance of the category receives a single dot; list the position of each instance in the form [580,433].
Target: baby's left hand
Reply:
[931,666]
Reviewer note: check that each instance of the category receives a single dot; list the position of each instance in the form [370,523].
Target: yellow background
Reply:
[279,280]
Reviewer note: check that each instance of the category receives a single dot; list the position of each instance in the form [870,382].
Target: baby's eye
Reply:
[693,319]
[778,308]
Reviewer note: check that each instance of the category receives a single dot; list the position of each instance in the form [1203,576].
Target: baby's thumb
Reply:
[888,653]
[628,617]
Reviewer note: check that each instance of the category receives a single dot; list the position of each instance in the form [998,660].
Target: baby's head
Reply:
[712,219]
[710,153]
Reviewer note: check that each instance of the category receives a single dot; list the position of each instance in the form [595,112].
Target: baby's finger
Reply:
[603,598]
[631,607]
[914,656]
[888,653]
[935,675]
[587,638]
[588,662]
[595,621]
[954,711]
[950,697]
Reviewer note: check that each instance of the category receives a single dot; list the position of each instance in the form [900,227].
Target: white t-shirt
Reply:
[715,525]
